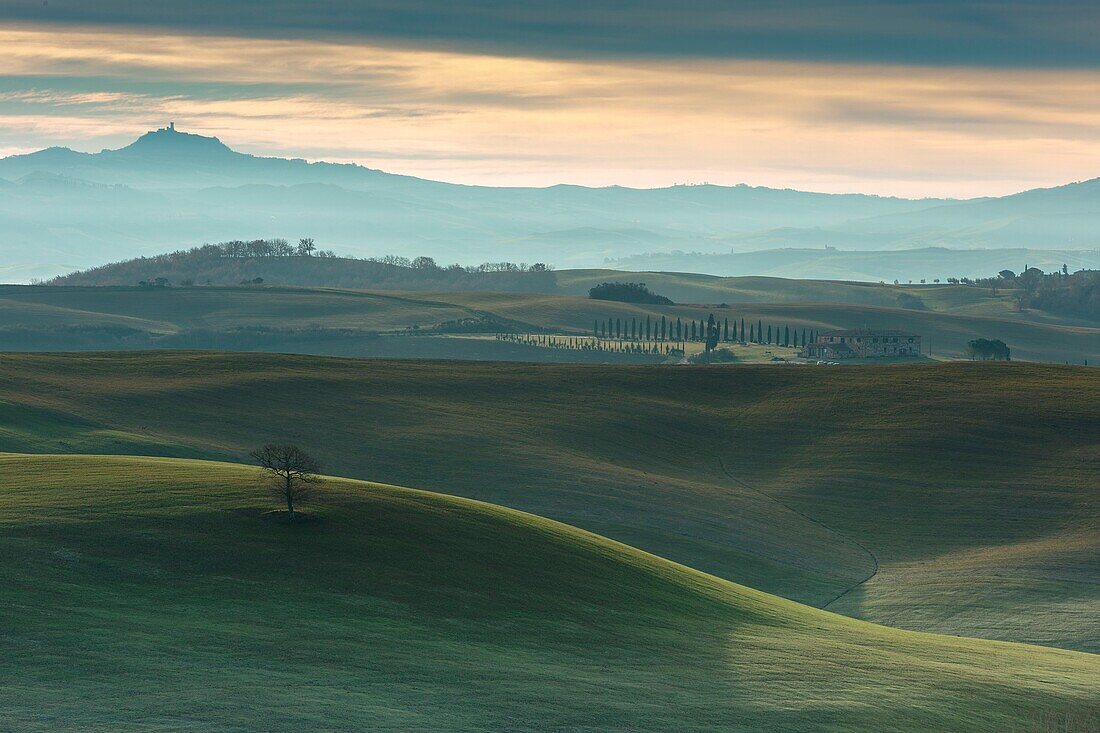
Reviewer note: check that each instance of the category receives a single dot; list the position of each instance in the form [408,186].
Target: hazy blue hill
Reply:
[166,143]
[1062,217]
[206,191]
[171,159]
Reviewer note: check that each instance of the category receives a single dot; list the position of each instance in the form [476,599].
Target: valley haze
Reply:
[63,210]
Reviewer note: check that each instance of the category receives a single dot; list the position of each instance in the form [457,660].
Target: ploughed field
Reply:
[955,498]
[146,594]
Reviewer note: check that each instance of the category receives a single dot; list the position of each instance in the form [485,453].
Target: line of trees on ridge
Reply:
[277,261]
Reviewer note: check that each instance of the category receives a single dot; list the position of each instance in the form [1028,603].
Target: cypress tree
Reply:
[759,331]
[713,333]
[692,329]
[752,333]
[595,328]
[769,334]
[803,338]
[664,331]
[786,335]
[618,328]
[647,328]
[726,329]
[742,330]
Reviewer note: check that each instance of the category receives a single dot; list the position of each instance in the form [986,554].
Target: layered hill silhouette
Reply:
[64,209]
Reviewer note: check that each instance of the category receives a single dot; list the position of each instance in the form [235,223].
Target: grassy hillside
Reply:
[686,287]
[150,595]
[277,261]
[958,498]
[340,322]
[967,300]
[947,333]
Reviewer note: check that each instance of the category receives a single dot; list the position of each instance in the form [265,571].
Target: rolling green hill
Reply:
[963,300]
[683,287]
[343,322]
[958,498]
[686,287]
[156,595]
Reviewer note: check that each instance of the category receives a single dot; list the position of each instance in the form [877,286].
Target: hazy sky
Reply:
[886,96]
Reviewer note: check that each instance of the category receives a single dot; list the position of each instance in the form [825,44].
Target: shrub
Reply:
[627,293]
[715,356]
[988,349]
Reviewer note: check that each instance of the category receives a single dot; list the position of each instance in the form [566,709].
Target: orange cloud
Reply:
[510,120]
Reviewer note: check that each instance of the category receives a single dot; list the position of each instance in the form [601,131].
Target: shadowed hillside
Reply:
[958,498]
[402,610]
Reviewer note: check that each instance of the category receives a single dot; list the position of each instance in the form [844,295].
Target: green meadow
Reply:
[958,498]
[148,594]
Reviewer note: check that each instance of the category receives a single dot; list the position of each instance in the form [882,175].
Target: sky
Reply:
[896,97]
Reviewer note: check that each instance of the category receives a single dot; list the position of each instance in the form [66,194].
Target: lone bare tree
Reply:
[292,472]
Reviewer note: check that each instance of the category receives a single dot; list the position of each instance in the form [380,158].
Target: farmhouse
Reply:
[862,344]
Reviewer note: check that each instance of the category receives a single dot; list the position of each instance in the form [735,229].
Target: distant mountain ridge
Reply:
[170,189]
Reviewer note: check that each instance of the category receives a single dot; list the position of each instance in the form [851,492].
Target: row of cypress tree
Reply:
[584,343]
[710,330]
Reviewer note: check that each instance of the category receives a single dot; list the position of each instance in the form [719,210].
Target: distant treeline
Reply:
[1075,294]
[278,262]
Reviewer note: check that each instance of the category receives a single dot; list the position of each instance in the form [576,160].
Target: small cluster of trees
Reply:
[988,349]
[627,293]
[1075,293]
[1061,291]
[711,331]
[263,248]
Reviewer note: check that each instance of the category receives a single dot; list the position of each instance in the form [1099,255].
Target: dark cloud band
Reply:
[1007,33]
